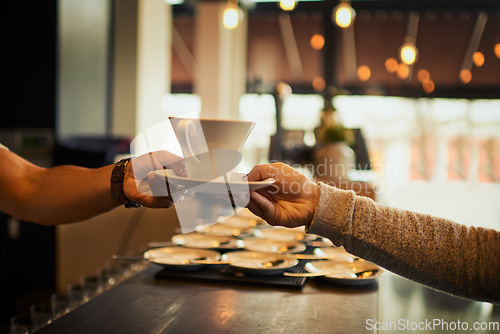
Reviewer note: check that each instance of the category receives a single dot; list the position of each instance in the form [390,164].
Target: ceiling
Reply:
[445,31]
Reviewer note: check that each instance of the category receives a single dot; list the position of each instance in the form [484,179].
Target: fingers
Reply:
[157,185]
[179,167]
[263,207]
[262,172]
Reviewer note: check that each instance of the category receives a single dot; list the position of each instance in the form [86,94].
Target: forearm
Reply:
[65,194]
[433,251]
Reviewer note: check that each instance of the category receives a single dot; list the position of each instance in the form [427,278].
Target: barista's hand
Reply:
[290,202]
[142,186]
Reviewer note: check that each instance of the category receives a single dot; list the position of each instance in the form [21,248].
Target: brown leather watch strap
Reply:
[117,176]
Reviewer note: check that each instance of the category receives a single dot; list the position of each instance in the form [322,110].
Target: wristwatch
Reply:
[117,176]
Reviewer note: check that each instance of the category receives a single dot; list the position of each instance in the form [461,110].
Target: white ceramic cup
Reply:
[211,147]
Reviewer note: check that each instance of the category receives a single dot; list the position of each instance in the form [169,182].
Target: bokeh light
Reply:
[343,15]
[423,75]
[497,50]
[403,71]
[465,76]
[364,73]
[391,65]
[408,53]
[318,84]
[317,41]
[428,86]
[287,4]
[230,18]
[478,58]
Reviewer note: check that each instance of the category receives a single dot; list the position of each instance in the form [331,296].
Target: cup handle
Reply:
[190,124]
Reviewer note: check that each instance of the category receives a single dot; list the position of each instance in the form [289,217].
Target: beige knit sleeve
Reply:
[436,252]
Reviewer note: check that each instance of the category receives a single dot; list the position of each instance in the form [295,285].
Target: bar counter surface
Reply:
[143,304]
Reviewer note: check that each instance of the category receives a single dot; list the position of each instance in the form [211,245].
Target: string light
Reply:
[478,58]
[288,4]
[343,14]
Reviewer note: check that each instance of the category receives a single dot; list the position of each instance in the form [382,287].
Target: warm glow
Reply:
[465,76]
[318,84]
[344,15]
[403,71]
[478,59]
[391,65]
[423,75]
[364,73]
[497,50]
[408,53]
[287,4]
[428,86]
[231,17]
[317,41]
[283,89]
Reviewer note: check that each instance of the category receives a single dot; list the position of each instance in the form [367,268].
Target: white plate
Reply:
[177,258]
[216,186]
[340,272]
[336,253]
[221,230]
[320,242]
[239,222]
[281,233]
[259,263]
[198,240]
[246,213]
[273,246]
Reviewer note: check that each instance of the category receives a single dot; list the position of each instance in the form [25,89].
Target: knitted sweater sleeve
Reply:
[436,252]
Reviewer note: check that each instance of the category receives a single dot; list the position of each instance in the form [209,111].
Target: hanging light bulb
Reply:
[287,4]
[408,52]
[343,15]
[231,16]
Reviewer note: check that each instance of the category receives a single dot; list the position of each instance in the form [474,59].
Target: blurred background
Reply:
[414,84]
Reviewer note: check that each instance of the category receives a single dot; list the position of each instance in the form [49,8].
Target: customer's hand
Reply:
[142,186]
[290,202]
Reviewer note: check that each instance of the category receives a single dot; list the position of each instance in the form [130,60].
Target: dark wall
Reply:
[27,258]
[29,63]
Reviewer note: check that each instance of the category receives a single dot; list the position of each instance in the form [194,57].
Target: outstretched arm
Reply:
[65,194]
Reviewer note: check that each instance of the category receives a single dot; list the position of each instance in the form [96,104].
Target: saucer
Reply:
[259,263]
[273,246]
[215,186]
[178,258]
[340,272]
